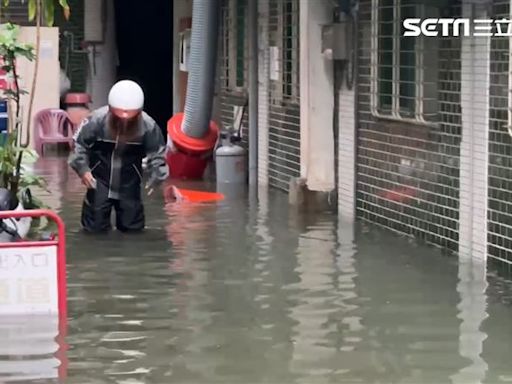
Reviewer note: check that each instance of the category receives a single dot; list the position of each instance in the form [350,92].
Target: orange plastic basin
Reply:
[193,196]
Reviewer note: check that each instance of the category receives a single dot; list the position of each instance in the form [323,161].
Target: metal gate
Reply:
[233,64]
[409,125]
[71,55]
[500,145]
[16,13]
[284,98]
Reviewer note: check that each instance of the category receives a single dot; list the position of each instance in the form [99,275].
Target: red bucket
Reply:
[184,166]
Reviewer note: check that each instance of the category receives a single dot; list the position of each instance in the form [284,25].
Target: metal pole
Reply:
[253,92]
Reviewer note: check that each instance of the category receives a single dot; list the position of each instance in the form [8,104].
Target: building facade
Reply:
[409,133]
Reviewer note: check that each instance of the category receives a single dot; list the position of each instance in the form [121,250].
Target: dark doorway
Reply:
[144,38]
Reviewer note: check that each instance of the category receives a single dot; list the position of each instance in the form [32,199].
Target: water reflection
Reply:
[472,311]
[32,348]
[316,303]
[250,291]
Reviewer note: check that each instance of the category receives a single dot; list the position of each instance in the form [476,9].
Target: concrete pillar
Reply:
[317,98]
[475,62]
[347,154]
[263,91]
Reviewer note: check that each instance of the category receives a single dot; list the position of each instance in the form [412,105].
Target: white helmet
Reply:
[126,95]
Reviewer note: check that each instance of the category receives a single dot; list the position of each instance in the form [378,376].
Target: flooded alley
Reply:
[243,292]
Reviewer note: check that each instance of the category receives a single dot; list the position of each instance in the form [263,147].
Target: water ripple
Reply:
[252,292]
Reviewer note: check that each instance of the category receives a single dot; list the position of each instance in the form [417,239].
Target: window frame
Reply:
[396,113]
[290,79]
[285,90]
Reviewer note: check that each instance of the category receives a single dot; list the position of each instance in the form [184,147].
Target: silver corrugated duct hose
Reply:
[203,62]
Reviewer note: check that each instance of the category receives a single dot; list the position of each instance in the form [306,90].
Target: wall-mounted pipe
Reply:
[203,60]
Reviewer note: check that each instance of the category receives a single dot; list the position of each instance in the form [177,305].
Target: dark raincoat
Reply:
[117,168]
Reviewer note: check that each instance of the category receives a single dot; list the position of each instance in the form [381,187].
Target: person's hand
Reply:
[89,181]
[150,185]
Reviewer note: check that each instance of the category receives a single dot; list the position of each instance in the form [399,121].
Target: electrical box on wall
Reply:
[336,40]
[94,21]
[185,49]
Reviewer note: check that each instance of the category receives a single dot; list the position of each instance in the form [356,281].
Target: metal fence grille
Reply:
[284,108]
[76,62]
[284,111]
[408,174]
[500,146]
[224,45]
[233,63]
[16,13]
[235,44]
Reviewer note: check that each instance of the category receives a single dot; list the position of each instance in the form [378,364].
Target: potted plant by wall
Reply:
[15,153]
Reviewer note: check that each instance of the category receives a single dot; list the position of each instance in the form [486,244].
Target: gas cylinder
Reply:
[231,161]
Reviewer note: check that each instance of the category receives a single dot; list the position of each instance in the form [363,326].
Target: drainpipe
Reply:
[192,136]
[253,92]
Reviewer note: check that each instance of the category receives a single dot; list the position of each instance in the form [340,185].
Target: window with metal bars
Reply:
[241,13]
[284,41]
[224,59]
[290,25]
[404,69]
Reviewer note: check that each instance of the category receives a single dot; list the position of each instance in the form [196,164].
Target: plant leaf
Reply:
[8,35]
[10,93]
[31,153]
[28,54]
[32,8]
[49,12]
[65,7]
[67,13]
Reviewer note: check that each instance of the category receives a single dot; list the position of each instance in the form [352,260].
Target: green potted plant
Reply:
[15,154]
[12,173]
